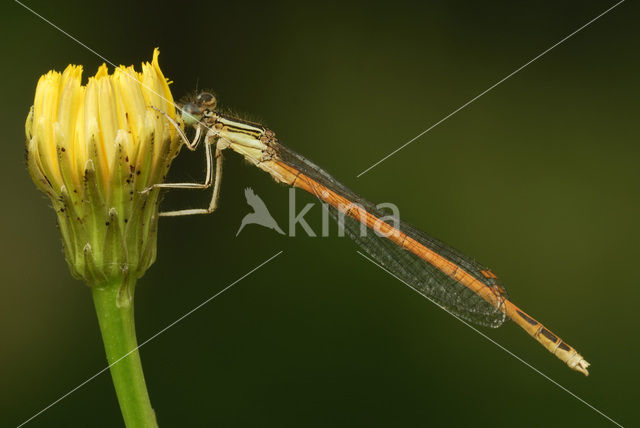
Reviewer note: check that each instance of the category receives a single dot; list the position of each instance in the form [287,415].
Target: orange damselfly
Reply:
[455,281]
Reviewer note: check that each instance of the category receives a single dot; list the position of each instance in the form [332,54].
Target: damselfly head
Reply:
[196,108]
[199,108]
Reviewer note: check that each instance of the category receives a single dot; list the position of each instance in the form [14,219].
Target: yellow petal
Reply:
[107,119]
[70,100]
[92,130]
[44,113]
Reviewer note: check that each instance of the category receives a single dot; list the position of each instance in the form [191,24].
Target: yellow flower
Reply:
[93,149]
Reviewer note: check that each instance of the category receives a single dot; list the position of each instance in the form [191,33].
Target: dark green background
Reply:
[538,179]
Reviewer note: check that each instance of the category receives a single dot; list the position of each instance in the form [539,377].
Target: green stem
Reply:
[114,308]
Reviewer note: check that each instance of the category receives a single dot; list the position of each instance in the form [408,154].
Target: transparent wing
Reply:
[424,277]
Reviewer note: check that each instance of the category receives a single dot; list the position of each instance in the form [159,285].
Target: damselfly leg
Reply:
[209,140]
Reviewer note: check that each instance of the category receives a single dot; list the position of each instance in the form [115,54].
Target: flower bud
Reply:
[93,149]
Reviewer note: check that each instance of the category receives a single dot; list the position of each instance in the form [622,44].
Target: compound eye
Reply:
[191,114]
[206,99]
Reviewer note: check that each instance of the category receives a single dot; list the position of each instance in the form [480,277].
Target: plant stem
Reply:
[115,316]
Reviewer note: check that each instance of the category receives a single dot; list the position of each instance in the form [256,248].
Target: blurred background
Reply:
[537,179]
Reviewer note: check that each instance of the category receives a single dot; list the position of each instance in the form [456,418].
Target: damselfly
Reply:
[464,287]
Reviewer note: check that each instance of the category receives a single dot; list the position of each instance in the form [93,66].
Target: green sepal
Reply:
[93,274]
